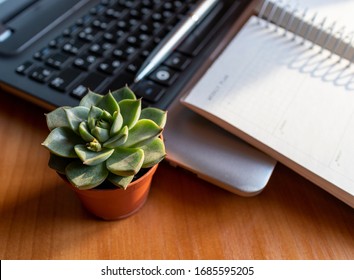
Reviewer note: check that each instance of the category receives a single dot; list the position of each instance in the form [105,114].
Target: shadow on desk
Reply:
[184,217]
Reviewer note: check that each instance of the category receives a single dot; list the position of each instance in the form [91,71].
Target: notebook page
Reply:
[294,98]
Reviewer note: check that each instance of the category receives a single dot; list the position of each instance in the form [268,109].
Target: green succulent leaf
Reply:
[123,93]
[102,134]
[154,152]
[76,116]
[108,103]
[120,181]
[58,163]
[107,116]
[117,140]
[61,142]
[95,114]
[89,157]
[84,176]
[103,124]
[157,115]
[130,110]
[90,99]
[117,123]
[142,133]
[85,133]
[125,161]
[57,118]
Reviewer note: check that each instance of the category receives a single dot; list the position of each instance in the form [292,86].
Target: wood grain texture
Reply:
[184,217]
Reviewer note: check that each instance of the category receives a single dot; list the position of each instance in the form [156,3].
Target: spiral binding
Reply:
[315,30]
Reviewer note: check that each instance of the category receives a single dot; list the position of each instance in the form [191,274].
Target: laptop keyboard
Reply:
[105,48]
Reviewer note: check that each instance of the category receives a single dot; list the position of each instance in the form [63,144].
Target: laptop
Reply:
[52,51]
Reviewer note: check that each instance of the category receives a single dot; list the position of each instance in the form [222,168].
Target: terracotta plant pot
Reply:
[113,204]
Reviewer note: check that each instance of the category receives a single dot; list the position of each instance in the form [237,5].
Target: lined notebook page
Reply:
[286,96]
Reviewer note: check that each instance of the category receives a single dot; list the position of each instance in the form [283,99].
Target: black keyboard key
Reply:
[43,53]
[123,79]
[146,28]
[180,6]
[85,61]
[84,20]
[149,91]
[98,9]
[109,66]
[145,11]
[58,42]
[148,3]
[178,61]
[143,37]
[92,81]
[41,74]
[135,65]
[157,16]
[101,23]
[164,75]
[100,47]
[113,35]
[62,81]
[57,60]
[119,53]
[122,25]
[112,13]
[106,2]
[88,34]
[24,67]
[73,47]
[190,45]
[168,6]
[137,39]
[127,3]
[124,52]
[133,40]
[71,30]
[135,13]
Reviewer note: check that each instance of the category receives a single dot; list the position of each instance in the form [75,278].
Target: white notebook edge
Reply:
[317,180]
[306,173]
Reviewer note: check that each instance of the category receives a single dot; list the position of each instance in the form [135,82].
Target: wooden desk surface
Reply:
[184,217]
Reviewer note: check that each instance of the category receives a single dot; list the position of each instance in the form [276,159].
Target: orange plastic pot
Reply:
[113,204]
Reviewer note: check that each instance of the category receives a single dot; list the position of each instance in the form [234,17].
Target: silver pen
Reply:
[174,38]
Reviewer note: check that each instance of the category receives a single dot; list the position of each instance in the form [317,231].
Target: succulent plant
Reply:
[107,137]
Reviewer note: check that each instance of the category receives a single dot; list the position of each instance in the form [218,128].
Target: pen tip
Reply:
[138,77]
